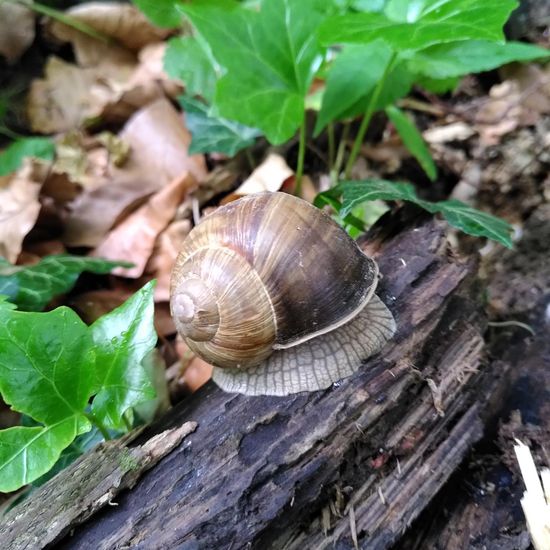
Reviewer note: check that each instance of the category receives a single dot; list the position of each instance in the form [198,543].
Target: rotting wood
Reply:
[259,471]
[84,488]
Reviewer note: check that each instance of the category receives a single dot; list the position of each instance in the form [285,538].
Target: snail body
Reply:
[275,295]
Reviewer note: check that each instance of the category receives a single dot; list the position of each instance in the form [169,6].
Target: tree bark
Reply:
[348,467]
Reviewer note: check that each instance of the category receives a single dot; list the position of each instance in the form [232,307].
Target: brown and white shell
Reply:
[266,289]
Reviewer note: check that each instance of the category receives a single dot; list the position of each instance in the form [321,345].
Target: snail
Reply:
[275,294]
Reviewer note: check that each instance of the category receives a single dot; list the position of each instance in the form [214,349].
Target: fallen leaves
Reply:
[19,208]
[134,238]
[16,30]
[158,143]
[123,23]
[113,77]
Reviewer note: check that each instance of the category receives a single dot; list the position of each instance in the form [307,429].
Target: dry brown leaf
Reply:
[122,22]
[83,162]
[134,239]
[147,83]
[268,176]
[19,208]
[164,324]
[92,305]
[167,247]
[60,101]
[111,85]
[189,373]
[158,142]
[534,85]
[160,136]
[16,30]
[514,103]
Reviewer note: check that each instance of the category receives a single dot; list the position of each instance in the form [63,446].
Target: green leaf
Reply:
[356,192]
[351,82]
[412,25]
[436,85]
[473,221]
[188,59]
[472,56]
[28,453]
[46,363]
[354,74]
[37,147]
[458,214]
[122,338]
[213,134]
[412,139]
[269,56]
[163,13]
[32,287]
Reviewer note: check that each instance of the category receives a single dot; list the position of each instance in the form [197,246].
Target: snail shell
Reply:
[273,293]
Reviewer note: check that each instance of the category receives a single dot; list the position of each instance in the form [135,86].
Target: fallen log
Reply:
[347,467]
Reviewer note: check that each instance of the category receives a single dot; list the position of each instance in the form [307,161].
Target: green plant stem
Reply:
[5,131]
[331,146]
[368,116]
[65,19]
[335,172]
[99,425]
[301,157]
[127,422]
[250,159]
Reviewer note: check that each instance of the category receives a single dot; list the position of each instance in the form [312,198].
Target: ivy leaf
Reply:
[412,139]
[352,78]
[471,56]
[473,221]
[187,58]
[437,85]
[269,56]
[12,157]
[407,25]
[354,73]
[28,453]
[46,363]
[32,287]
[163,13]
[213,134]
[122,338]
[459,215]
[356,192]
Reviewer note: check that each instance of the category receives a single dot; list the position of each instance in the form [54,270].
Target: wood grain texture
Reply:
[359,460]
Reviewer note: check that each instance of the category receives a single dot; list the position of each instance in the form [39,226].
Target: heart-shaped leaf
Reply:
[407,25]
[46,363]
[269,57]
[214,134]
[458,214]
[32,287]
[122,338]
[28,453]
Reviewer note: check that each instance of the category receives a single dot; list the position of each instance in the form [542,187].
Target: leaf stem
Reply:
[301,157]
[127,422]
[99,425]
[331,146]
[335,172]
[65,19]
[5,131]
[368,116]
